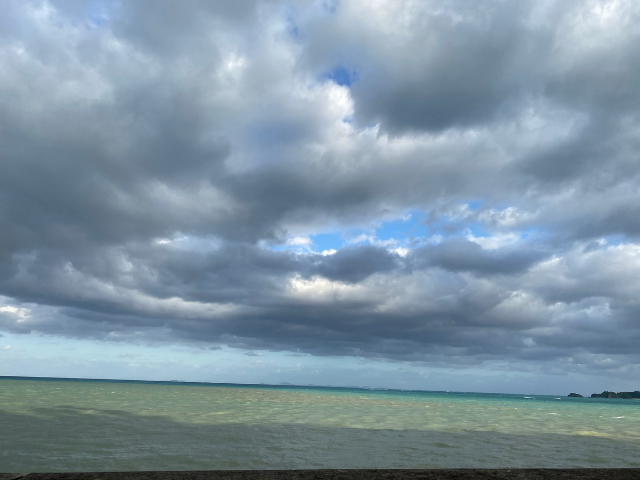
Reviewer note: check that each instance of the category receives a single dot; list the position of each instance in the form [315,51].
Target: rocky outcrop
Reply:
[607,394]
[575,395]
[604,394]
[635,394]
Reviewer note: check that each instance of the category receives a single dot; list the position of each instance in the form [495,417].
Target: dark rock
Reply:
[575,395]
[604,394]
[628,395]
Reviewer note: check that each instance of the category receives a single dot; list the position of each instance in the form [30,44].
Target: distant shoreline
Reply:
[635,395]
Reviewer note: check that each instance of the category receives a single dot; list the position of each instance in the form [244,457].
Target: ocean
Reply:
[51,425]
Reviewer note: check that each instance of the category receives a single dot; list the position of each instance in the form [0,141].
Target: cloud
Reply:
[354,264]
[302,241]
[165,173]
[462,255]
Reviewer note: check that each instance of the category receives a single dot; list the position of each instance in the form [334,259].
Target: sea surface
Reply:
[49,425]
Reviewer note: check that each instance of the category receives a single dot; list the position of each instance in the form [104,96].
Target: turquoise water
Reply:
[62,425]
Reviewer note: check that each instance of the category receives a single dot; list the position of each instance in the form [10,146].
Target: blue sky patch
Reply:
[292,27]
[327,241]
[341,76]
[412,226]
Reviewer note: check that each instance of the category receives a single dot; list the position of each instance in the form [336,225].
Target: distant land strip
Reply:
[355,474]
[606,394]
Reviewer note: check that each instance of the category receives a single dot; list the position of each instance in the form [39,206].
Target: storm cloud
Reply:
[439,182]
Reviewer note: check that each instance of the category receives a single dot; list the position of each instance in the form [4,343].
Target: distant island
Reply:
[607,394]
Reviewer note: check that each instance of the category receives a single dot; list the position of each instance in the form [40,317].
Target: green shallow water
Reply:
[48,425]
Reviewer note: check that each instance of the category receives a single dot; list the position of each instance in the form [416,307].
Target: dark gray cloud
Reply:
[164,172]
[468,70]
[355,264]
[461,255]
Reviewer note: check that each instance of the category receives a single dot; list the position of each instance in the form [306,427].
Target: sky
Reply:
[437,195]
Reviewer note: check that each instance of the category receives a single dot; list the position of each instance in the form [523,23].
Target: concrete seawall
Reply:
[444,474]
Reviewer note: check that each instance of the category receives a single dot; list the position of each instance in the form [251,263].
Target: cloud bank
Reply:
[437,182]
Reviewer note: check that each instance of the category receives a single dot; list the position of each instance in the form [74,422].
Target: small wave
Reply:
[529,397]
[590,433]
[619,417]
[551,413]
[443,445]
